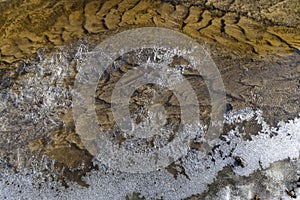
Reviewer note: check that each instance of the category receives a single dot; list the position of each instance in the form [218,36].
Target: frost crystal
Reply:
[257,154]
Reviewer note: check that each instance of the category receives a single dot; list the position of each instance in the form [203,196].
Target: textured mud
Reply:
[261,27]
[255,46]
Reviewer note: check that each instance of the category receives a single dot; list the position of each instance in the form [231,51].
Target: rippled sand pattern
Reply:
[254,44]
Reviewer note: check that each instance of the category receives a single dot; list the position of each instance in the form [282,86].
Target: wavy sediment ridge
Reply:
[249,27]
[255,46]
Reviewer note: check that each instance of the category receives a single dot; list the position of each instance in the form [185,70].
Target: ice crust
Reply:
[106,184]
[32,105]
[32,182]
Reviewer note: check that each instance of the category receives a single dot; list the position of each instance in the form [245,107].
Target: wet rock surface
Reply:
[254,45]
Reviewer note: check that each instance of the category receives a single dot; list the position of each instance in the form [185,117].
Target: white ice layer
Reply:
[105,184]
[34,183]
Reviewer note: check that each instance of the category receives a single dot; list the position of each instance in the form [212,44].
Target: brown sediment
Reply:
[255,46]
[263,28]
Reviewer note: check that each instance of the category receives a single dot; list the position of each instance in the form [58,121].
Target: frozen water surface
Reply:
[45,92]
[105,184]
